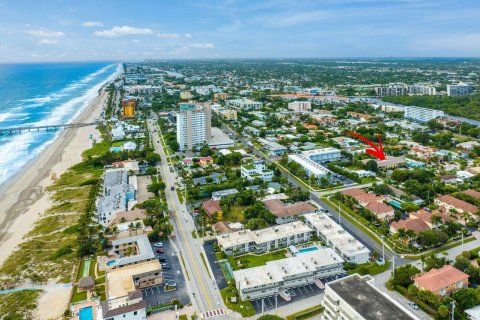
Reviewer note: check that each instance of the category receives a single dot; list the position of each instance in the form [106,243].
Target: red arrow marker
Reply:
[375,151]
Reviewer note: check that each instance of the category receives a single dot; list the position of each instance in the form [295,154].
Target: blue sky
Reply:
[134,30]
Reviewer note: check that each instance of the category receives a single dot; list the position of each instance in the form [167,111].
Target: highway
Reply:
[202,288]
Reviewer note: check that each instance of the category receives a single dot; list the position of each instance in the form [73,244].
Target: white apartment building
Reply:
[356,297]
[349,248]
[264,240]
[193,125]
[245,103]
[391,90]
[256,169]
[423,89]
[299,106]
[310,166]
[323,155]
[459,89]
[422,114]
[276,276]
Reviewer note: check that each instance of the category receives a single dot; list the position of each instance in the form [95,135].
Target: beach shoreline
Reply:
[24,197]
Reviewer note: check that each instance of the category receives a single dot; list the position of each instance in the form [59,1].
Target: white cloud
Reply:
[122,31]
[45,34]
[187,35]
[90,24]
[135,41]
[47,41]
[296,18]
[207,45]
[168,35]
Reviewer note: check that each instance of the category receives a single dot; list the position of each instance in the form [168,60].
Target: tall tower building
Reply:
[193,125]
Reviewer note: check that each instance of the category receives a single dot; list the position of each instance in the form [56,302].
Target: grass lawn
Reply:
[306,313]
[245,308]
[19,305]
[250,260]
[78,296]
[371,268]
[235,214]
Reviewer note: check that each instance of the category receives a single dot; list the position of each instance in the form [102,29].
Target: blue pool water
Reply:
[111,263]
[396,204]
[307,249]
[86,313]
[115,149]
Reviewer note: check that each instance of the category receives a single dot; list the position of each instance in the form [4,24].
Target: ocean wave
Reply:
[5,116]
[43,99]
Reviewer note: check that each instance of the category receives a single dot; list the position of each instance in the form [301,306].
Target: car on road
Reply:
[162,259]
[160,250]
[172,188]
[413,305]
[158,245]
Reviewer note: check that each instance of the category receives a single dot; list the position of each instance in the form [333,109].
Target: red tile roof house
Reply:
[286,212]
[448,203]
[472,193]
[371,202]
[187,162]
[382,211]
[443,281]
[416,225]
[211,207]
[205,160]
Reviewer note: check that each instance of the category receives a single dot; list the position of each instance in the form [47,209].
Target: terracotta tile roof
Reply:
[472,193]
[459,204]
[128,215]
[437,279]
[378,207]
[416,225]
[426,216]
[211,207]
[222,227]
[280,209]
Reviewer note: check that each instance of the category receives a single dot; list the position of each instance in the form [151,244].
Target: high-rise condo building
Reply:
[193,125]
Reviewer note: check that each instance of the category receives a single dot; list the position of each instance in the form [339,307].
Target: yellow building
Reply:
[220,96]
[229,114]
[129,109]
[185,95]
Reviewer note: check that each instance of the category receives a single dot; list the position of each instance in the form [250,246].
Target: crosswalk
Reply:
[213,313]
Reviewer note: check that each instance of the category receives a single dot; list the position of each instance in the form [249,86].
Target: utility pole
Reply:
[453,309]
[339,215]
[383,248]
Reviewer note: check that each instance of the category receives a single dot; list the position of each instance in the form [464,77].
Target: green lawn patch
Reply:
[251,260]
[245,308]
[234,214]
[306,313]
[371,268]
[78,296]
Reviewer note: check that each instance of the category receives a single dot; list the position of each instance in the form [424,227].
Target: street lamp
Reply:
[383,248]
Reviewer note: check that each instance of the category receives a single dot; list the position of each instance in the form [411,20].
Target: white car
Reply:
[158,245]
[413,305]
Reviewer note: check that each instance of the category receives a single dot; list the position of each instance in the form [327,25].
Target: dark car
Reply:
[160,250]
[172,188]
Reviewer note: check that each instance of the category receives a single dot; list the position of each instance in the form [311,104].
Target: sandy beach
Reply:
[23,199]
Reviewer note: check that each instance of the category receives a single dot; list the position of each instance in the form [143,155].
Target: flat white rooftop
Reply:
[311,166]
[347,244]
[275,271]
[263,235]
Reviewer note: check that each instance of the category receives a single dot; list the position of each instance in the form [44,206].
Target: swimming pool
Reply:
[115,149]
[396,204]
[111,263]
[308,249]
[86,313]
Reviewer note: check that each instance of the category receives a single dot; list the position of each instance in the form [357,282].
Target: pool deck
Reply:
[95,309]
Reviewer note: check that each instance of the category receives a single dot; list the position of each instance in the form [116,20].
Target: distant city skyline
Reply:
[32,31]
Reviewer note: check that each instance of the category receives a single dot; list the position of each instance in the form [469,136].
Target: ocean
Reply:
[43,94]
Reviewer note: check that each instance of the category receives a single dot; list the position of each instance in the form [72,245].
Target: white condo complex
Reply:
[193,125]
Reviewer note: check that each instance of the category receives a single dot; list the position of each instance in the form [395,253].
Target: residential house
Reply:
[448,203]
[443,281]
[287,212]
[211,207]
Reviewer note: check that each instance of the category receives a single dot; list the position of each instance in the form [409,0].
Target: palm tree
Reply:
[138,225]
[436,220]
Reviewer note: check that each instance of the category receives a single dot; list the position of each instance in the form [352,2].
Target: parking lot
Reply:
[296,294]
[157,295]
[217,270]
